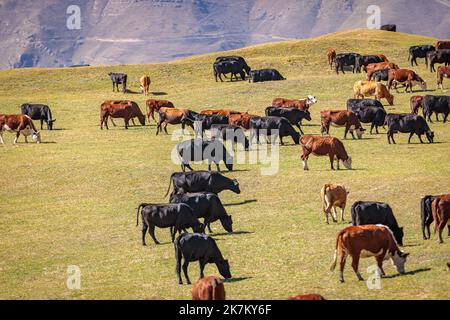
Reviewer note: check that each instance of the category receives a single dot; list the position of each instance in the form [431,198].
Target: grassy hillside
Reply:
[71,200]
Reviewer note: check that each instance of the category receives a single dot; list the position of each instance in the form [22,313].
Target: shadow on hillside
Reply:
[413,272]
[240,203]
[159,93]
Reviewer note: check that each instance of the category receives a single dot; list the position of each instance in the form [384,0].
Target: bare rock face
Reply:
[35,33]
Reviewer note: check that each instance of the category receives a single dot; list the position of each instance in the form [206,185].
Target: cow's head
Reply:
[359,132]
[36,135]
[227,223]
[224,268]
[430,136]
[198,228]
[235,186]
[390,99]
[310,100]
[307,115]
[50,124]
[348,163]
[399,260]
[421,83]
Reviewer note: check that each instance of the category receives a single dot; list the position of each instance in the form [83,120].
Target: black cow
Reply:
[438,56]
[198,150]
[436,104]
[344,60]
[239,59]
[381,75]
[233,67]
[419,52]
[363,61]
[230,132]
[203,120]
[179,216]
[38,112]
[205,205]
[119,78]
[265,75]
[408,123]
[427,216]
[365,212]
[362,103]
[368,114]
[293,115]
[389,27]
[198,181]
[269,126]
[202,248]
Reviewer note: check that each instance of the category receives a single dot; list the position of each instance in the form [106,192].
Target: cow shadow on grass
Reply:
[412,272]
[237,279]
[159,93]
[240,203]
[58,129]
[235,233]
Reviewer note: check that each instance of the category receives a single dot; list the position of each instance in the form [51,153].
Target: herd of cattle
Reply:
[374,231]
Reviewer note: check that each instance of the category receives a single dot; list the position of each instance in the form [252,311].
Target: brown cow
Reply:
[442,45]
[331,54]
[373,67]
[440,208]
[415,103]
[219,112]
[367,241]
[154,105]
[241,120]
[321,146]
[125,109]
[381,56]
[145,84]
[341,118]
[404,75]
[310,296]
[20,124]
[173,116]
[333,196]
[441,73]
[209,288]
[372,88]
[302,104]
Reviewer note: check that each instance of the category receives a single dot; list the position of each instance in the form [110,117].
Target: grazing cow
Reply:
[333,196]
[436,104]
[205,205]
[365,212]
[415,102]
[419,52]
[404,75]
[321,146]
[381,75]
[442,45]
[440,207]
[144,82]
[408,123]
[368,111]
[371,88]
[201,181]
[374,67]
[209,288]
[118,78]
[442,72]
[439,56]
[239,59]
[302,104]
[293,115]
[38,112]
[345,60]
[199,247]
[20,124]
[389,27]
[311,296]
[125,109]
[331,55]
[341,118]
[362,61]
[272,126]
[265,75]
[179,216]
[199,150]
[230,132]
[367,241]
[219,112]
[225,67]
[173,116]
[241,120]
[154,105]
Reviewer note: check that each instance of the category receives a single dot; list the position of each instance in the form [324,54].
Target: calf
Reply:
[272,126]
[302,104]
[439,56]
[173,116]
[118,78]
[40,112]
[205,205]
[371,88]
[198,247]
[333,196]
[199,181]
[331,55]
[368,112]
[209,288]
[341,118]
[293,115]
[144,82]
[175,216]
[344,60]
[367,241]
[415,102]
[321,146]
[404,75]
[436,104]
[365,212]
[154,105]
[20,124]
[265,75]
[125,109]
[440,207]
[442,72]
[419,52]
[408,123]
[199,150]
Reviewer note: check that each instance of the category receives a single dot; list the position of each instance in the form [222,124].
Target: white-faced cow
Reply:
[19,124]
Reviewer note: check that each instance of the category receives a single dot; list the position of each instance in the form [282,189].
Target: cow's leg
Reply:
[17,137]
[334,214]
[442,225]
[178,267]
[42,122]
[1,137]
[185,271]
[420,138]
[151,231]
[189,167]
[218,168]
[355,264]
[445,117]
[174,232]
[132,120]
[342,266]
[327,209]
[380,259]
[304,157]
[332,160]
[126,123]
[410,136]
[144,231]
[342,213]
[165,128]
[202,264]
[158,127]
[299,128]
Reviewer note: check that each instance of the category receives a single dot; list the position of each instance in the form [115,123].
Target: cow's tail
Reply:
[336,251]
[216,292]
[170,184]
[435,209]
[323,191]
[138,211]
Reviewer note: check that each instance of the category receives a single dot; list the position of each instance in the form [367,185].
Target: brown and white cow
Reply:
[367,241]
[173,116]
[372,88]
[145,84]
[302,104]
[333,196]
[373,67]
[20,124]
[442,72]
[322,146]
[415,103]
[442,45]
[310,296]
[241,120]
[209,288]
[407,76]
[125,109]
[331,54]
[440,208]
[154,105]
[219,112]
[341,118]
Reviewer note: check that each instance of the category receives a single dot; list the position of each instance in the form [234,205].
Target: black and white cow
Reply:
[40,112]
